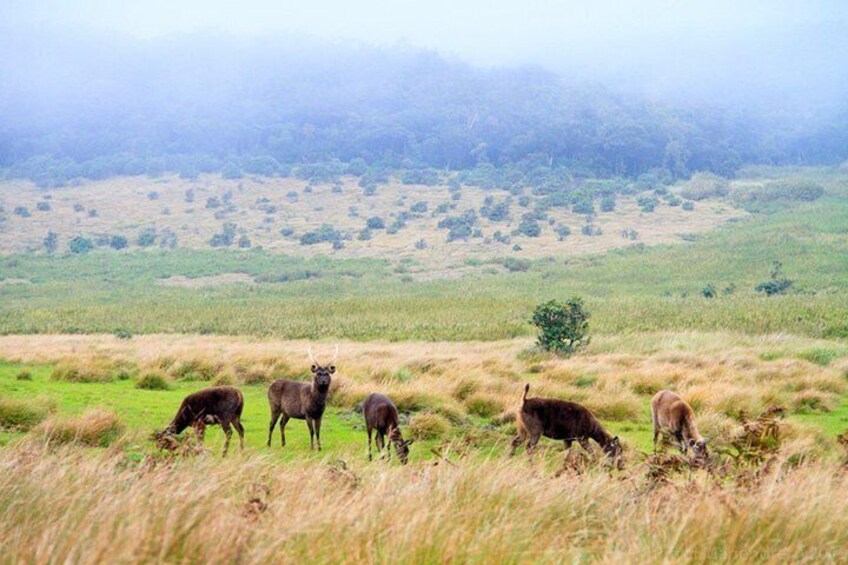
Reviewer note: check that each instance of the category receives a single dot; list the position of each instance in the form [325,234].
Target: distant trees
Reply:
[118,242]
[147,237]
[375,223]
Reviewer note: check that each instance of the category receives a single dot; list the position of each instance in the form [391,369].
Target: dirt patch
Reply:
[214,280]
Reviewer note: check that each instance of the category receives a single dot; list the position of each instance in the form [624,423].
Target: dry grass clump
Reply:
[20,416]
[484,405]
[96,427]
[95,370]
[428,425]
[189,369]
[153,381]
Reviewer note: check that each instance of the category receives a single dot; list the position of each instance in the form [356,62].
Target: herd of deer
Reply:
[555,419]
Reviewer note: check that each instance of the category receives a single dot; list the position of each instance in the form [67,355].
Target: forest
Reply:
[101,105]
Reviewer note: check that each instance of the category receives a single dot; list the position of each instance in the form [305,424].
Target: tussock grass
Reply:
[96,427]
[152,381]
[83,371]
[428,425]
[20,416]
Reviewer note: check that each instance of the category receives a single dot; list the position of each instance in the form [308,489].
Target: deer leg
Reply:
[568,443]
[516,441]
[317,424]
[311,433]
[283,421]
[531,445]
[369,442]
[228,432]
[240,429]
[656,436]
[275,415]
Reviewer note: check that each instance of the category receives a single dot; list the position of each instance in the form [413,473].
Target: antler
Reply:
[311,357]
[336,354]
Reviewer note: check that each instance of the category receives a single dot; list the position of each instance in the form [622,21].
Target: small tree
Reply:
[51,242]
[563,328]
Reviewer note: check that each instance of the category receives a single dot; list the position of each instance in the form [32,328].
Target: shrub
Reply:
[147,237]
[244,242]
[428,425]
[800,190]
[43,206]
[709,291]
[225,237]
[563,232]
[118,242]
[375,223]
[778,283]
[562,327]
[515,265]
[21,211]
[24,375]
[418,208]
[93,213]
[705,185]
[79,207]
[80,244]
[95,428]
[420,244]
[153,195]
[529,226]
[326,233]
[193,370]
[608,203]
[20,416]
[364,235]
[688,205]
[152,381]
[647,203]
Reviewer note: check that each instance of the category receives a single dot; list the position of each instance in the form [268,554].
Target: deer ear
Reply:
[691,442]
[410,441]
[314,368]
[332,369]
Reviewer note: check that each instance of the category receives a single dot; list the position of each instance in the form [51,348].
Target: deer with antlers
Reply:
[302,401]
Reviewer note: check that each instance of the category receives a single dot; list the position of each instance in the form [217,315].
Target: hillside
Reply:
[279,214]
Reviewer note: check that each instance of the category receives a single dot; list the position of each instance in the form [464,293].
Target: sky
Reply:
[656,46]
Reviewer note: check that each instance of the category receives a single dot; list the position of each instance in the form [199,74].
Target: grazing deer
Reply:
[381,415]
[220,405]
[671,412]
[560,420]
[302,401]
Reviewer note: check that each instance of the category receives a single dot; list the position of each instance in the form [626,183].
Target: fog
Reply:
[736,51]
[678,85]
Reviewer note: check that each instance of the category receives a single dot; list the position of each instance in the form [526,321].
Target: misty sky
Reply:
[726,47]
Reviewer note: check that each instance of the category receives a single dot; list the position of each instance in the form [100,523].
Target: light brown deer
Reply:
[669,411]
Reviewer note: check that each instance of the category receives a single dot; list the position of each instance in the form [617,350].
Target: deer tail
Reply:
[526,390]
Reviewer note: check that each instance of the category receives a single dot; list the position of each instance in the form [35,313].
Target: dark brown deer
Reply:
[220,405]
[302,401]
[669,411]
[381,415]
[560,420]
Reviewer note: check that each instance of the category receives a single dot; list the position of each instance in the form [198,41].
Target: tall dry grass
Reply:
[71,506]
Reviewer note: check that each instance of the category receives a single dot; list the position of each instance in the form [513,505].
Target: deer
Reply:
[302,401]
[381,415]
[561,420]
[221,405]
[669,411]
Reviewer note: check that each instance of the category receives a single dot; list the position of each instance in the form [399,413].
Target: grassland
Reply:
[460,499]
[633,289]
